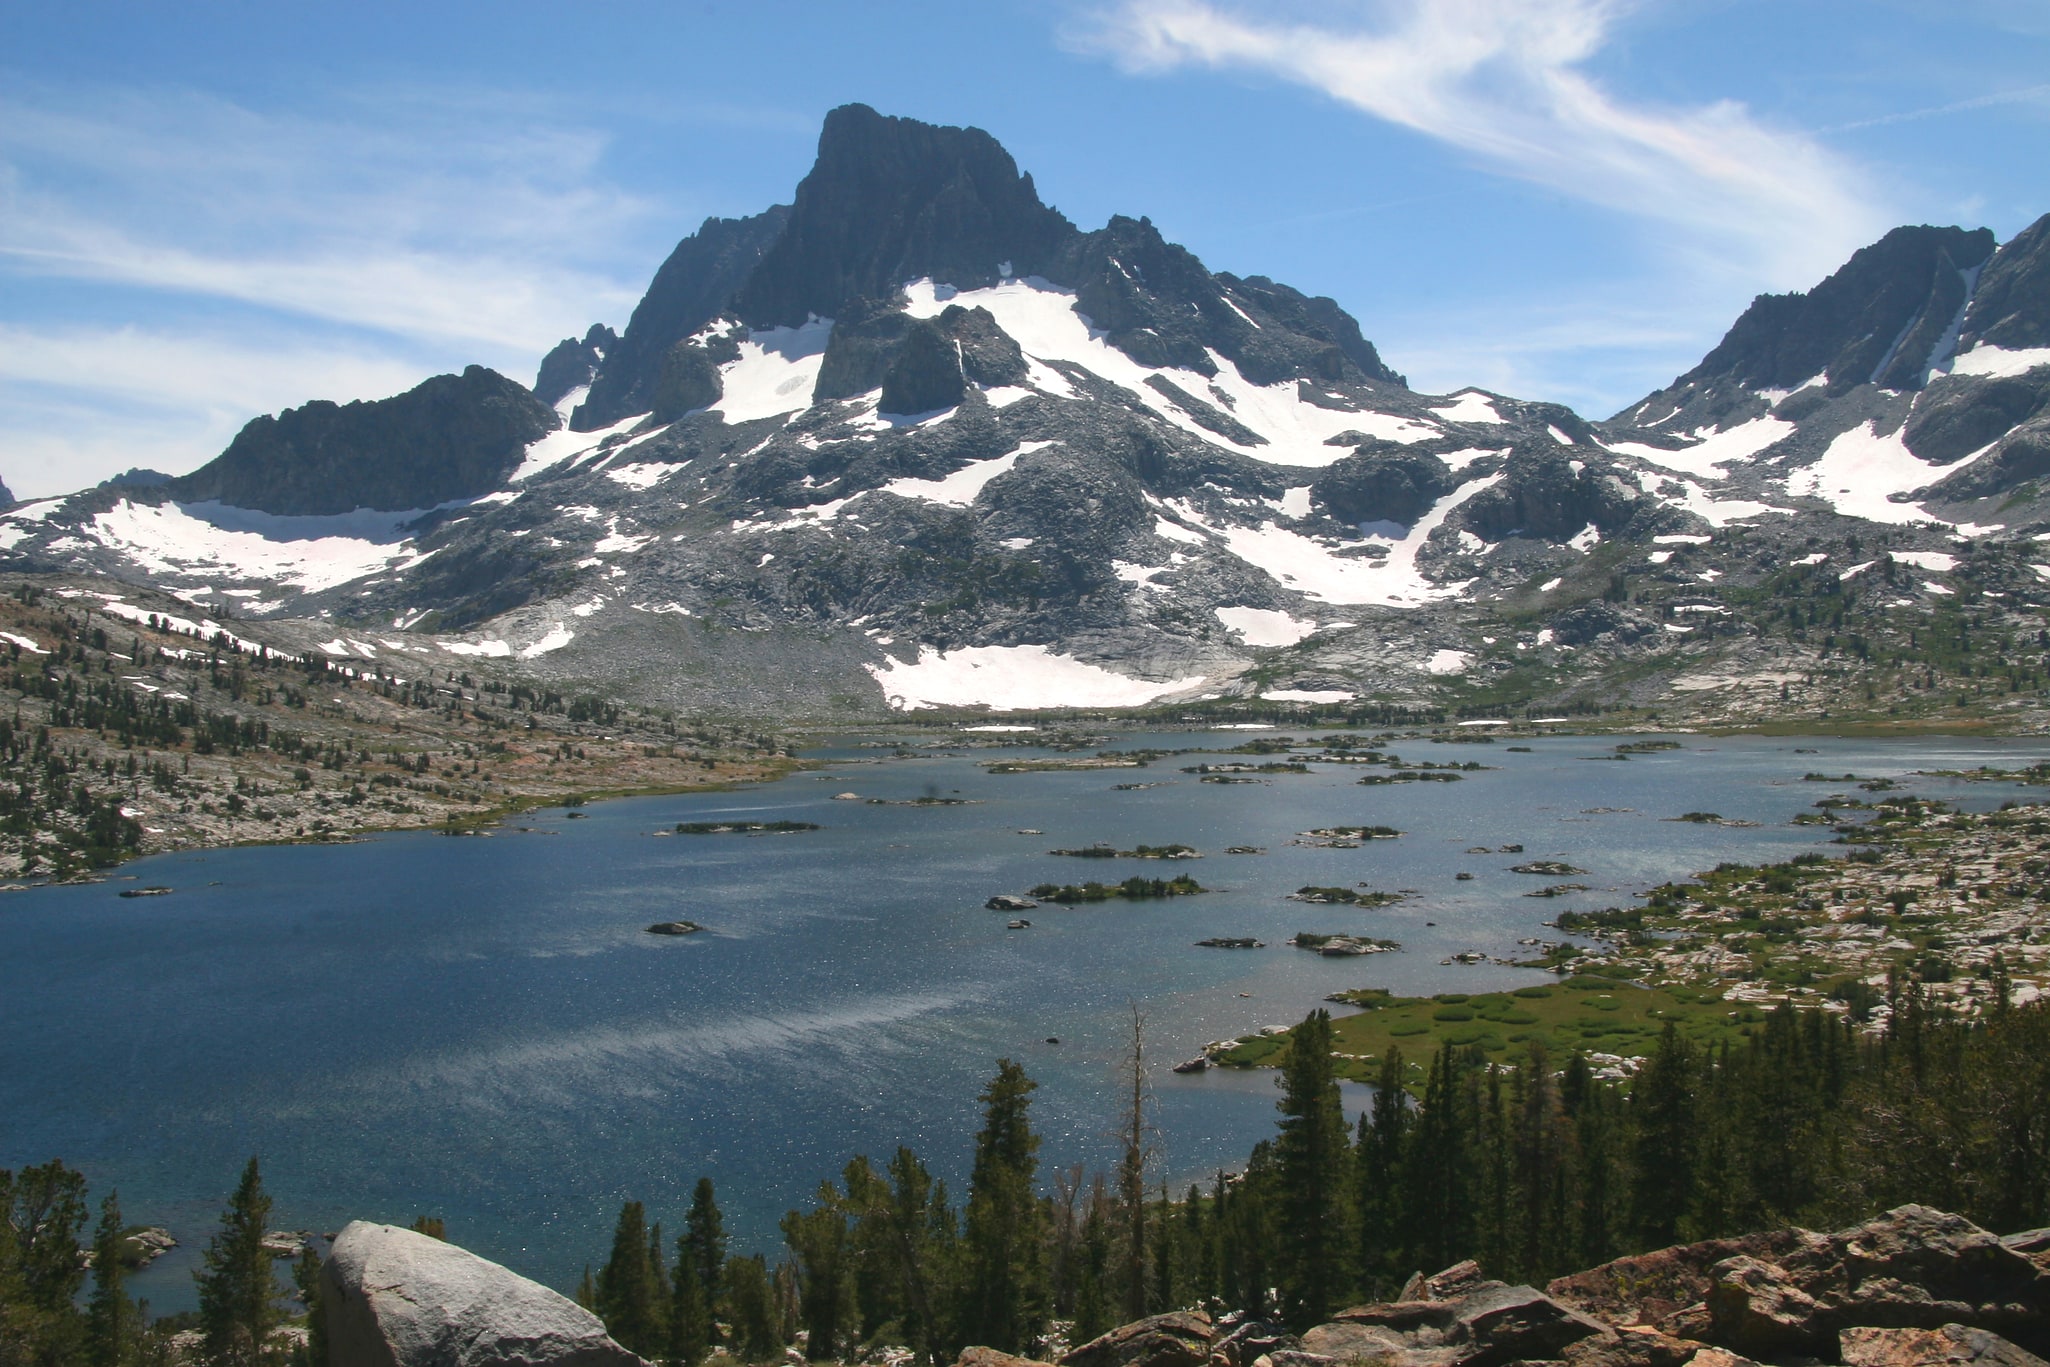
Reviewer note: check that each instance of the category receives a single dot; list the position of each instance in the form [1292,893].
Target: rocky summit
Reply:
[916,440]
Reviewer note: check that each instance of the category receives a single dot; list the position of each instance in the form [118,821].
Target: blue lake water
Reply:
[481,1029]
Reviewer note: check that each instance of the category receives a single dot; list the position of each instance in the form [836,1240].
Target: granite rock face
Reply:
[452,437]
[891,200]
[395,1298]
[572,364]
[689,291]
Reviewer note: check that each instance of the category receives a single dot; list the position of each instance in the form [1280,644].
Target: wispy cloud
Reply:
[172,263]
[2034,94]
[1506,81]
[81,403]
[436,220]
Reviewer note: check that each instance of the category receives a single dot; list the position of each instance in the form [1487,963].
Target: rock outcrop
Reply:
[1913,1288]
[451,437]
[394,1298]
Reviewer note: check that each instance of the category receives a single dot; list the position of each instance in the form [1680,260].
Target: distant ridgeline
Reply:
[915,440]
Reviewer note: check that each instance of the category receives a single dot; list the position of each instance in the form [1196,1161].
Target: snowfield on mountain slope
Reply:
[1712,450]
[1860,469]
[1265,626]
[1011,679]
[1316,570]
[775,374]
[208,540]
[1042,319]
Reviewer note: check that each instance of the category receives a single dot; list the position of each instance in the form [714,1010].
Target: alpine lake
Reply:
[483,1029]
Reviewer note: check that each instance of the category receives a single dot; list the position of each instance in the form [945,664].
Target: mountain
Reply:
[452,437]
[914,439]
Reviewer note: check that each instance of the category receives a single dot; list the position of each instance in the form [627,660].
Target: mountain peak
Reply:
[893,199]
[1887,316]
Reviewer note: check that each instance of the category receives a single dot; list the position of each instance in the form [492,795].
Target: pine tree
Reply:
[704,1235]
[690,1314]
[1132,1176]
[1379,1160]
[629,1298]
[238,1298]
[110,1317]
[306,1276]
[757,1336]
[1004,1298]
[1662,1103]
[1311,1171]
[818,1240]
[921,1228]
[1092,1304]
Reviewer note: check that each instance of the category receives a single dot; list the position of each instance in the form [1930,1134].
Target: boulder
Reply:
[394,1298]
[1630,1348]
[1503,1323]
[1180,1338]
[1758,1308]
[1250,1339]
[991,1357]
[1651,1288]
[1865,1346]
[1352,1341]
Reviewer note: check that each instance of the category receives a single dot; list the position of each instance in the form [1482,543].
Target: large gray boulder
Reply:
[394,1298]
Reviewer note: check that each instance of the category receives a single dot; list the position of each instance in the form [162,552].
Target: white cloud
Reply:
[1504,80]
[443,221]
[78,404]
[172,264]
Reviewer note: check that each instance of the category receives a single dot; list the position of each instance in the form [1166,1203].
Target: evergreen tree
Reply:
[306,1276]
[1311,1172]
[1132,1176]
[818,1240]
[1383,1131]
[238,1295]
[1092,1301]
[629,1294]
[1004,1297]
[704,1236]
[690,1315]
[1662,1105]
[757,1337]
[110,1317]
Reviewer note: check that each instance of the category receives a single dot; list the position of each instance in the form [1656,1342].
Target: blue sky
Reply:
[210,211]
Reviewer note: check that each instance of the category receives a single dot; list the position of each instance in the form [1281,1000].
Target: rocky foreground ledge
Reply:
[1914,1288]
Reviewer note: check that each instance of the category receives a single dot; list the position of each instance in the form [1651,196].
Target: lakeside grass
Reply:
[1594,1014]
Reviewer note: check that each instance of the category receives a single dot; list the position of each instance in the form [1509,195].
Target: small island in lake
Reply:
[1133,889]
[1351,897]
[675,928]
[744,827]
[1141,852]
[1343,946]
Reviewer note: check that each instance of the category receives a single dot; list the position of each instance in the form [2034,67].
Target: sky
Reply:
[216,210]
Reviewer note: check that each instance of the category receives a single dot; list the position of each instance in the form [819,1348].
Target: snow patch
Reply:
[639,477]
[1011,678]
[490,649]
[556,639]
[1470,406]
[563,444]
[775,374]
[1315,570]
[1859,470]
[1043,320]
[216,541]
[1326,695]
[1265,626]
[1713,450]
[1448,662]
[1992,360]
[1927,560]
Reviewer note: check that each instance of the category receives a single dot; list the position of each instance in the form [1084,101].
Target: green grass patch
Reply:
[1601,1015]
